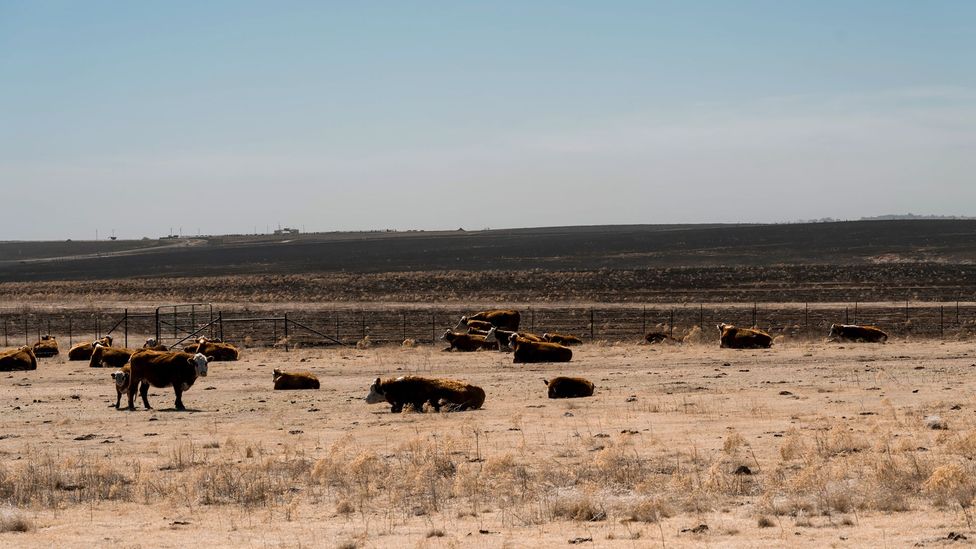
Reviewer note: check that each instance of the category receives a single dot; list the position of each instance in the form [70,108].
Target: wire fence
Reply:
[308,327]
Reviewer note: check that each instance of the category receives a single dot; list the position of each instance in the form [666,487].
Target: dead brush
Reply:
[14,520]
[52,481]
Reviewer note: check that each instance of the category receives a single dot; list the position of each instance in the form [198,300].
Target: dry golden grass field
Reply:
[806,444]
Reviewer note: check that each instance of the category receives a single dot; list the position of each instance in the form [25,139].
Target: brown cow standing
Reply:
[18,359]
[743,338]
[121,378]
[164,369]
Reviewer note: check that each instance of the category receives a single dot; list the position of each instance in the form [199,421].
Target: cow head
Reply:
[199,361]
[106,340]
[376,393]
[512,339]
[492,334]
[462,323]
[275,374]
[722,327]
[150,342]
[121,378]
[448,335]
[834,331]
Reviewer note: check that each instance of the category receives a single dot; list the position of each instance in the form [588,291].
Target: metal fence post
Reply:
[126,327]
[855,312]
[847,315]
[69,331]
[5,342]
[806,317]
[591,324]
[433,329]
[942,321]
[362,318]
[753,315]
[157,327]
[26,333]
[701,317]
[336,316]
[220,320]
[403,325]
[286,332]
[671,324]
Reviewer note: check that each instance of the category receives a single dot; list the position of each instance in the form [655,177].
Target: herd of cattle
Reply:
[155,365]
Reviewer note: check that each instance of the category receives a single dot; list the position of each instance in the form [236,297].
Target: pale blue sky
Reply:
[226,116]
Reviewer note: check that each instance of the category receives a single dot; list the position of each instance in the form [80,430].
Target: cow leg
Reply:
[435,403]
[418,406]
[179,397]
[118,399]
[397,407]
[133,387]
[144,393]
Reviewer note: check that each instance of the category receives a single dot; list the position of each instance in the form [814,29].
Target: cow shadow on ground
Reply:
[174,410]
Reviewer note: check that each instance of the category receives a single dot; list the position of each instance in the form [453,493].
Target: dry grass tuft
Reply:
[14,520]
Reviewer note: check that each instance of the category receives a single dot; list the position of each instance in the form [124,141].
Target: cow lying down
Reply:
[18,359]
[856,333]
[569,387]
[732,337]
[46,347]
[415,390]
[284,381]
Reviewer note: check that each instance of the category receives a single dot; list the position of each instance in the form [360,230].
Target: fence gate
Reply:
[180,322]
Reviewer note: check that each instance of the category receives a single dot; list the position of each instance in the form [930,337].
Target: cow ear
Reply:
[546,381]
[191,361]
[377,382]
[209,359]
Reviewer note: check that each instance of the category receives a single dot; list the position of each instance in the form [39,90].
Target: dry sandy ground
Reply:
[661,405]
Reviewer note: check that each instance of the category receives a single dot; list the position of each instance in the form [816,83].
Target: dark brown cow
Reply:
[217,351]
[466,342]
[164,369]
[503,337]
[532,351]
[657,337]
[18,359]
[857,333]
[414,390]
[154,345]
[83,351]
[284,381]
[743,338]
[505,319]
[569,387]
[46,347]
[562,339]
[111,357]
[480,325]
